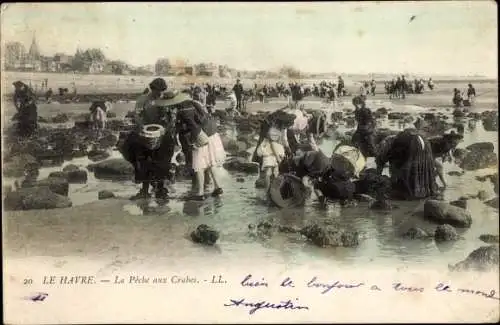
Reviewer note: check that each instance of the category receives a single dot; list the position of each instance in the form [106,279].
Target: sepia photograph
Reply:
[267,162]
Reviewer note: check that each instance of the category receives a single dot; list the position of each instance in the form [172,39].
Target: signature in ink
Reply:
[39,296]
[255,306]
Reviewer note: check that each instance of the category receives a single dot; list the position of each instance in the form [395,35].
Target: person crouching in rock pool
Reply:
[364,136]
[201,133]
[411,164]
[150,146]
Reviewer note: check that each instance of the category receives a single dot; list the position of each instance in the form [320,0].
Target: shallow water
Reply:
[118,232]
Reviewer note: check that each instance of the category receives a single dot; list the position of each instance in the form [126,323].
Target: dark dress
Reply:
[412,166]
[364,137]
[27,115]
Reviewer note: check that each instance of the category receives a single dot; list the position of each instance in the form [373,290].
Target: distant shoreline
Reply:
[100,84]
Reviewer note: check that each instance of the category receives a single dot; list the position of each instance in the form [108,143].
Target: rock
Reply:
[482,195]
[395,116]
[108,141]
[241,165]
[97,155]
[490,121]
[382,110]
[481,146]
[104,194]
[490,239]
[458,113]
[70,168]
[34,198]
[475,160]
[60,118]
[55,183]
[461,203]
[484,258]
[112,169]
[288,229]
[455,173]
[240,180]
[444,213]
[493,203]
[16,166]
[445,233]
[205,235]
[323,236]
[416,233]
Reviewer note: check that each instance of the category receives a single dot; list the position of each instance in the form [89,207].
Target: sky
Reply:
[447,38]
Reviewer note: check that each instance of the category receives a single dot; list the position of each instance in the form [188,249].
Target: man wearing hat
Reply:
[150,147]
[238,91]
[27,115]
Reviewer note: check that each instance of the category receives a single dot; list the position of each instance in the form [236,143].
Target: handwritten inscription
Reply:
[255,306]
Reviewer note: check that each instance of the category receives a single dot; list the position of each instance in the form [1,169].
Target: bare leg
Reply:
[267,177]
[200,180]
[439,171]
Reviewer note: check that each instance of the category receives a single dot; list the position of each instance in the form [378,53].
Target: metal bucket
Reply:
[351,155]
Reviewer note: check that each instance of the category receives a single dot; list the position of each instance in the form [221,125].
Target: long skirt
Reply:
[413,167]
[149,165]
[210,155]
[364,140]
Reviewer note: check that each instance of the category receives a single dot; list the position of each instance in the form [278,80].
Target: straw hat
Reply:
[171,98]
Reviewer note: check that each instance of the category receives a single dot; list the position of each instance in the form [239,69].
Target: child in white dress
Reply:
[272,153]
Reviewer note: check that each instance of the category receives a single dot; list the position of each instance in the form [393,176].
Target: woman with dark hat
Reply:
[207,149]
[364,136]
[27,115]
[150,147]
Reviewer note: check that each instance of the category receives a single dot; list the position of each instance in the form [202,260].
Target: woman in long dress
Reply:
[412,165]
[207,150]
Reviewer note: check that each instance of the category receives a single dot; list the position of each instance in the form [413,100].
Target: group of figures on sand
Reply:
[287,144]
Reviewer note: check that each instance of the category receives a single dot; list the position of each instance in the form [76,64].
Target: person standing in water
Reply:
[150,146]
[27,110]
[364,137]
[471,93]
[238,91]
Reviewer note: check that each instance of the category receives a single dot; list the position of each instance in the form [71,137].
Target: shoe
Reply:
[141,195]
[198,197]
[217,192]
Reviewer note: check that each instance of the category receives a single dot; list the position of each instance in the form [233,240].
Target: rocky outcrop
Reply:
[35,198]
[323,236]
[73,176]
[444,213]
[241,165]
[205,235]
[478,156]
[113,169]
[416,233]
[484,258]
[445,233]
[104,194]
[58,185]
[98,155]
[490,239]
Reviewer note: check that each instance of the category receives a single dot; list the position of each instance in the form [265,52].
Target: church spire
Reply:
[34,52]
